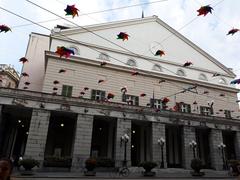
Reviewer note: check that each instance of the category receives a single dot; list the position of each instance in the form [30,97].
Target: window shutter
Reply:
[211,110]
[136,100]
[93,94]
[188,108]
[69,91]
[64,90]
[152,103]
[103,95]
[201,110]
[124,97]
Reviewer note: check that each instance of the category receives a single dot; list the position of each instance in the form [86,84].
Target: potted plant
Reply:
[28,164]
[148,166]
[234,165]
[90,165]
[196,165]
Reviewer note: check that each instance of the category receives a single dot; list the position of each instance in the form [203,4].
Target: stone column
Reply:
[188,135]
[237,145]
[123,127]
[158,131]
[215,139]
[37,136]
[82,141]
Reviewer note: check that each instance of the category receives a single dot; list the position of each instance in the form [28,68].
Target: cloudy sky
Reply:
[208,32]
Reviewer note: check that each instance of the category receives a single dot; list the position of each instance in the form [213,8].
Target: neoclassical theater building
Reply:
[67,110]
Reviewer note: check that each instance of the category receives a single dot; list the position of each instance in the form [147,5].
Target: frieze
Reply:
[19,102]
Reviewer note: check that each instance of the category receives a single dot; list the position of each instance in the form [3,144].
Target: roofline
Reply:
[153,18]
[153,60]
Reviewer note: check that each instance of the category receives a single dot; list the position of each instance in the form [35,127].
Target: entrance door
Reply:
[228,140]
[140,142]
[202,137]
[173,146]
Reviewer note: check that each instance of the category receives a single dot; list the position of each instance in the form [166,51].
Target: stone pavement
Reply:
[135,173]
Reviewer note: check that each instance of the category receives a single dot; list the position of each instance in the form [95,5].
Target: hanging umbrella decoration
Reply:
[159,53]
[216,74]
[63,51]
[236,81]
[110,96]
[164,103]
[204,10]
[56,82]
[85,88]
[62,71]
[143,94]
[23,60]
[101,81]
[233,31]
[103,63]
[188,63]
[135,73]
[24,74]
[4,28]
[27,83]
[123,35]
[71,10]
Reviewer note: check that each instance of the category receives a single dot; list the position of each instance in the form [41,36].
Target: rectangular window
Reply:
[156,103]
[183,107]
[207,111]
[67,90]
[227,114]
[98,95]
[130,99]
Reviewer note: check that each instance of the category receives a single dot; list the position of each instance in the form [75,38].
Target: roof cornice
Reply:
[49,54]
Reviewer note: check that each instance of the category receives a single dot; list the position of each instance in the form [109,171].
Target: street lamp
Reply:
[193,145]
[161,142]
[221,147]
[124,139]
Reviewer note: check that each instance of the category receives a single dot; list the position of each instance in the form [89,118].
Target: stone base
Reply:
[197,173]
[149,174]
[27,173]
[90,173]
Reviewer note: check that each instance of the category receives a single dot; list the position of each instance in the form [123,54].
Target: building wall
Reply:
[35,53]
[81,75]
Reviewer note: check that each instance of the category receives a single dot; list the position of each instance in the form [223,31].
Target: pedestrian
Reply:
[6,167]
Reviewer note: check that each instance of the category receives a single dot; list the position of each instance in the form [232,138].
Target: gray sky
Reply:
[209,32]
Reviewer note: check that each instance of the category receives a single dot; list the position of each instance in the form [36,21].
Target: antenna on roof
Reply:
[142,14]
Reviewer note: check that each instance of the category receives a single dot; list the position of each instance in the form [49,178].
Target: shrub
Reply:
[234,165]
[196,165]
[28,164]
[53,161]
[148,165]
[90,164]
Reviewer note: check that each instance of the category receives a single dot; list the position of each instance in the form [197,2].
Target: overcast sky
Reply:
[209,32]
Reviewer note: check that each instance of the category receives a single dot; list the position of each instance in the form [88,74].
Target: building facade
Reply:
[8,76]
[81,106]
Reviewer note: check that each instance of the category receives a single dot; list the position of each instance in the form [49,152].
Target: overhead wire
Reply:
[42,26]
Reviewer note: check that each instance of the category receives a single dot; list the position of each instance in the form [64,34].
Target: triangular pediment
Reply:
[146,36]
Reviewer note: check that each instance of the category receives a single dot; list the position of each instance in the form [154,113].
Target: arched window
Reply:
[103,56]
[131,62]
[75,50]
[222,81]
[157,67]
[181,72]
[202,77]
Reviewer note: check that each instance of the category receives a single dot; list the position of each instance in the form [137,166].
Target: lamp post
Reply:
[124,139]
[221,147]
[193,145]
[161,142]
